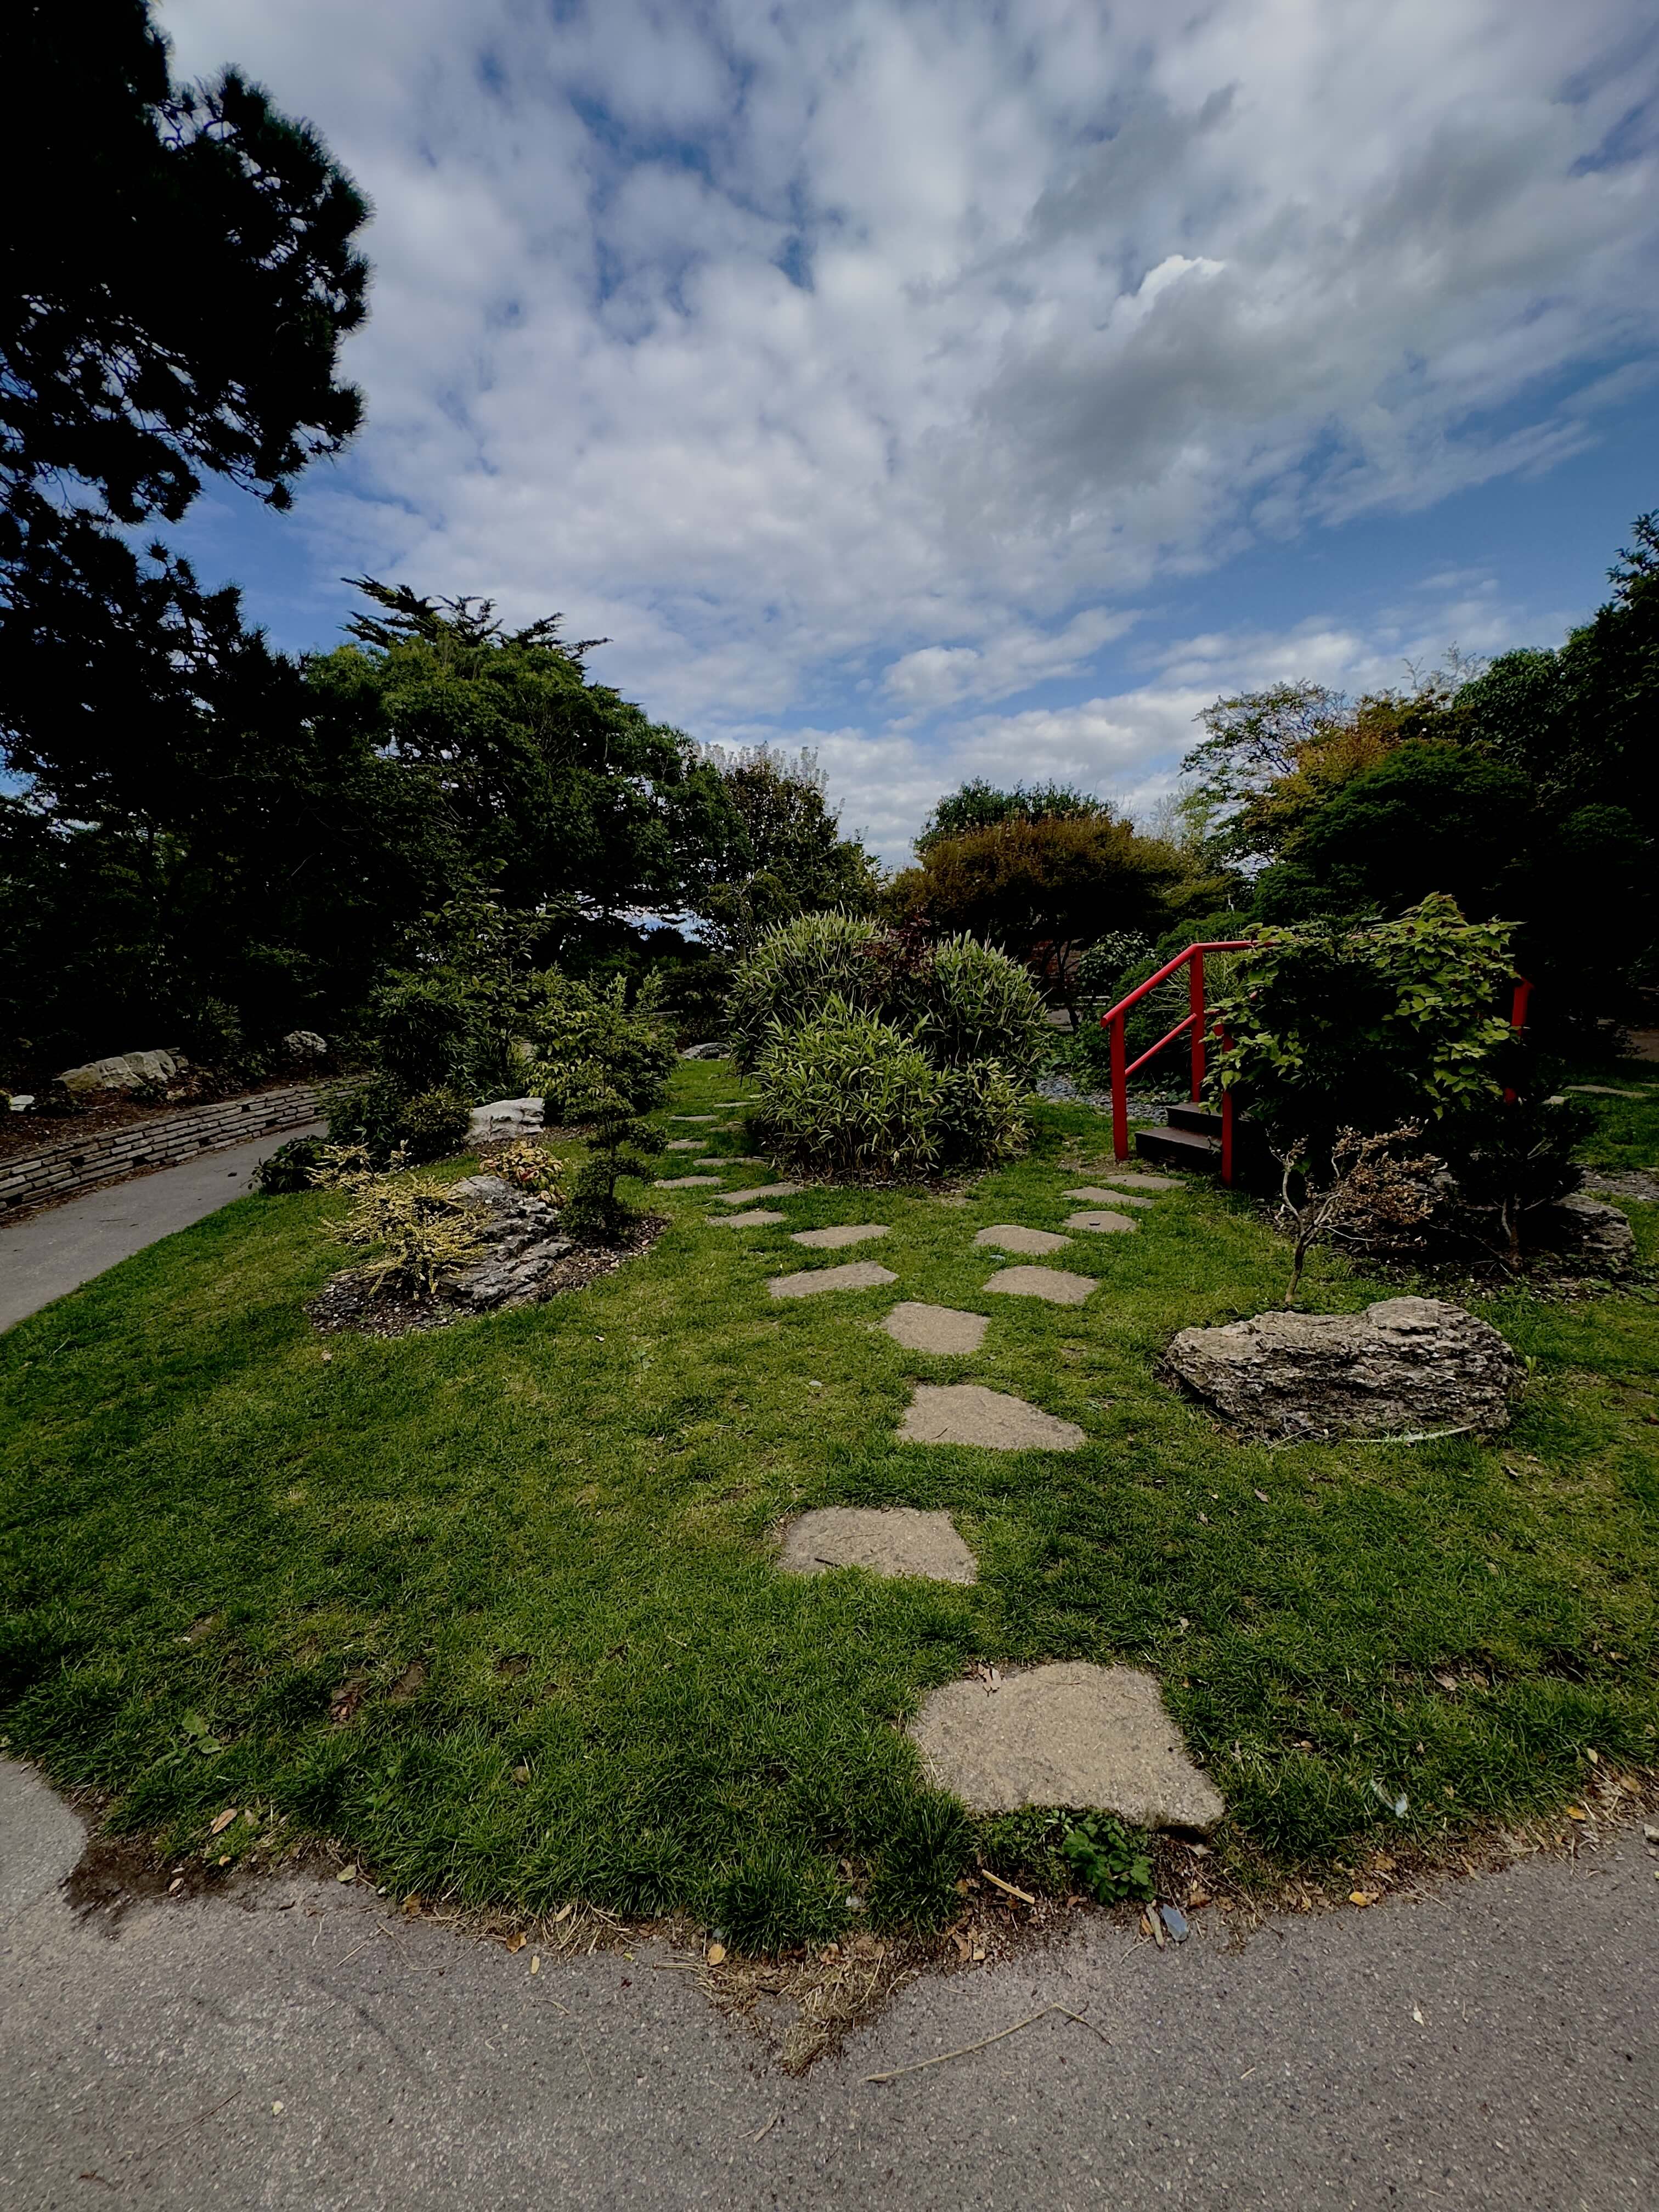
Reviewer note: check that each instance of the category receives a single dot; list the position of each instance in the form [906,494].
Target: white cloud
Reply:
[866,345]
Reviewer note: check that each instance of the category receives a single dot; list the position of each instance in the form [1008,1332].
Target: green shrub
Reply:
[1333,1026]
[420,1237]
[980,1116]
[793,974]
[959,1000]
[620,1144]
[291,1167]
[434,1125]
[849,1094]
[587,1038]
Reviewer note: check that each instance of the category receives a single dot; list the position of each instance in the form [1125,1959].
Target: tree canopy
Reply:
[788,857]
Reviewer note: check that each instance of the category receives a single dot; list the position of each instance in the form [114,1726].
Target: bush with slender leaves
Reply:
[794,973]
[849,1094]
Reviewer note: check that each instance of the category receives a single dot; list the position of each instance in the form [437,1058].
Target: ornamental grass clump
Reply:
[850,1095]
[420,1237]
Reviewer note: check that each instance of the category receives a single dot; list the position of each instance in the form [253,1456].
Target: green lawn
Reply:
[534,1547]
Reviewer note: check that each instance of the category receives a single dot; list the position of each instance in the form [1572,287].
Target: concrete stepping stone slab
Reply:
[757,1217]
[694,1117]
[1091,1196]
[1102,1224]
[764,1190]
[969,1414]
[1053,1284]
[683,1183]
[940,1329]
[831,1240]
[686,1144]
[1012,1236]
[1133,1179]
[1071,1735]
[858,1275]
[1602,1091]
[896,1540]
[712,1163]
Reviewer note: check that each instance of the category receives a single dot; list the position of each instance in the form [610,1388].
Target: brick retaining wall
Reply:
[79,1163]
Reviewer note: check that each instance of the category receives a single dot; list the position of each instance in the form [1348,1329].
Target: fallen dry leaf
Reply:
[715,1954]
[563,1913]
[515,1942]
[1576,1812]
[223,1821]
[1362,1897]
[347,1873]
[1263,1495]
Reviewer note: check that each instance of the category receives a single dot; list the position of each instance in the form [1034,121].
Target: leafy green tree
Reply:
[175,283]
[1043,889]
[557,788]
[789,857]
[978,804]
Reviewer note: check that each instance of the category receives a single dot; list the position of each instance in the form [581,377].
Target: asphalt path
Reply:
[57,1250]
[1491,2044]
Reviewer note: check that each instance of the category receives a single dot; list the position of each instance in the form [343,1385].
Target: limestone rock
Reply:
[503,1118]
[969,1414]
[305,1045]
[1588,1230]
[938,1329]
[123,1071]
[895,1540]
[1073,1734]
[833,1239]
[1403,1364]
[858,1275]
[1014,1237]
[1053,1284]
[706,1052]
[521,1244]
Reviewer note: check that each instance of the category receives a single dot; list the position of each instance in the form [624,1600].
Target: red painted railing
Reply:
[1192,959]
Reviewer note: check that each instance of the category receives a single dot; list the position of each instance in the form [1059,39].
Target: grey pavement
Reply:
[57,1251]
[1492,2046]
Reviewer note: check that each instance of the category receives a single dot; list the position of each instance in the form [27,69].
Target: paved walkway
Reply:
[57,1250]
[417,2069]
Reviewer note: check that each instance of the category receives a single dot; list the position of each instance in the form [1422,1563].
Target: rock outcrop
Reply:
[1590,1232]
[123,1071]
[503,1118]
[1404,1363]
[522,1241]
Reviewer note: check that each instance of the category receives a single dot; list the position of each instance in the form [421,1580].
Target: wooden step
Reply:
[1180,1148]
[1197,1120]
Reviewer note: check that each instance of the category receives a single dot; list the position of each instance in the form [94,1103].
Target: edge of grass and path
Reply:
[494,1607]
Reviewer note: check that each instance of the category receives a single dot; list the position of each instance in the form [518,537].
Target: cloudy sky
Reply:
[978,389]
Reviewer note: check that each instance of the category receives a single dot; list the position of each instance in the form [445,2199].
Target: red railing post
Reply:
[1119,1095]
[1518,1019]
[1195,1000]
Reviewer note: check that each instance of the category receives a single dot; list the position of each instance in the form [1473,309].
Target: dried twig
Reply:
[966,2049]
[1024,1895]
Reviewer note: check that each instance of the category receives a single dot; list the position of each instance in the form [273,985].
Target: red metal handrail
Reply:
[1194,1022]
[1113,1019]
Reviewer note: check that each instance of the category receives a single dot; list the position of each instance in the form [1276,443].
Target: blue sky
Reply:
[977,390]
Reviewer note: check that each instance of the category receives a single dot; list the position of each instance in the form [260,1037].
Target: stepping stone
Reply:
[857,1275]
[1133,1179]
[1071,1735]
[1104,1224]
[694,1117]
[1604,1090]
[969,1414]
[1010,1236]
[831,1240]
[894,1540]
[686,1144]
[683,1183]
[758,1217]
[765,1190]
[1091,1196]
[1053,1284]
[940,1329]
[711,1163]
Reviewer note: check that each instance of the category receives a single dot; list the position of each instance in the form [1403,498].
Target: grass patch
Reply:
[524,1558]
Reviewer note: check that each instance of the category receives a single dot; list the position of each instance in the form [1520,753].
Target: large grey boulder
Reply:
[506,1117]
[705,1052]
[521,1244]
[1404,1363]
[123,1071]
[302,1045]
[1595,1234]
